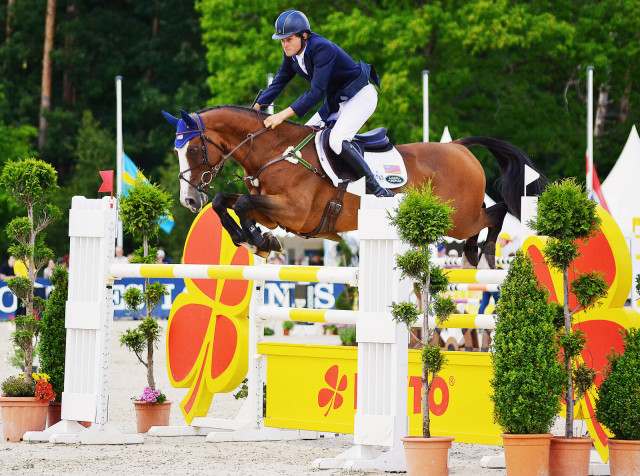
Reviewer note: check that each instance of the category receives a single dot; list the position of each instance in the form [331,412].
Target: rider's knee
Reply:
[336,142]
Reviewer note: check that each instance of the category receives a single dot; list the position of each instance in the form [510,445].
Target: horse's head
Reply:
[196,170]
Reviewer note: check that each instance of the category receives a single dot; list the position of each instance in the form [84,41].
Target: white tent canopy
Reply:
[621,188]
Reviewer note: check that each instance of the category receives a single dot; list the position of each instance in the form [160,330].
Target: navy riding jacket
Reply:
[333,75]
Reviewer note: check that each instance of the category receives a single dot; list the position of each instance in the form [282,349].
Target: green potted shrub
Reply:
[618,405]
[286,327]
[141,211]
[568,217]
[30,183]
[53,339]
[527,376]
[347,335]
[422,220]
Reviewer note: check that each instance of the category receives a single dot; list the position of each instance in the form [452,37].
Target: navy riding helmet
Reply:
[289,23]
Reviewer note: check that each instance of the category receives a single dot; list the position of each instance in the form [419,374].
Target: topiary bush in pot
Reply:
[527,375]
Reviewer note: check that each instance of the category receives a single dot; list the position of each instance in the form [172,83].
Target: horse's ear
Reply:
[189,121]
[172,120]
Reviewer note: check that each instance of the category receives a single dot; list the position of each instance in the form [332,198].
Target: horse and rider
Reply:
[286,184]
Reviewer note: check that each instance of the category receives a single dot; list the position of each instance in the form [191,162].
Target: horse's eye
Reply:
[193,150]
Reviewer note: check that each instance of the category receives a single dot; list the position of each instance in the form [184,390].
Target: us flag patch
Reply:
[392,169]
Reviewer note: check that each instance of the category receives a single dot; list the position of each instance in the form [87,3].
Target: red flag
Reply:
[107,181]
[597,189]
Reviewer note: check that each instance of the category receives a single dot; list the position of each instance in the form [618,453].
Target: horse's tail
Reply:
[512,161]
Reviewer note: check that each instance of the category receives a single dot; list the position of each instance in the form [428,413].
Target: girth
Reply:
[329,217]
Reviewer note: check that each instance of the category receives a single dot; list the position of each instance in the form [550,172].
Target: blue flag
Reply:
[129,175]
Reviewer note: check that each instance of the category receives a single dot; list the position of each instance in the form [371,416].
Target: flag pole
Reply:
[589,176]
[425,106]
[119,151]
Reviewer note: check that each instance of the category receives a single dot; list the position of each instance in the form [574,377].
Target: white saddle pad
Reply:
[387,167]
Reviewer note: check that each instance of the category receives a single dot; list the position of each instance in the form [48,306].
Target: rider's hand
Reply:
[276,119]
[257,107]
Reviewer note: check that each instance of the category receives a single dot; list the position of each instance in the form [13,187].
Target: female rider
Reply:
[350,99]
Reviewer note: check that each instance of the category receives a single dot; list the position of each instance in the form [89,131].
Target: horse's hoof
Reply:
[272,243]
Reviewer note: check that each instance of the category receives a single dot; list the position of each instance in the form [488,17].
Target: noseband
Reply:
[214,171]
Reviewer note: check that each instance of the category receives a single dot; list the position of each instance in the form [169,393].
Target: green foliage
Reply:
[583,378]
[53,334]
[139,339]
[346,300]
[405,312]
[565,212]
[287,325]
[558,315]
[572,343]
[29,181]
[18,387]
[567,215]
[144,207]
[433,359]
[347,335]
[618,402]
[589,288]
[421,219]
[140,258]
[151,297]
[527,377]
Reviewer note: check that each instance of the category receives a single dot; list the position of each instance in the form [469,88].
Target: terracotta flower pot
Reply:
[150,414]
[22,414]
[624,457]
[527,455]
[569,457]
[53,413]
[427,456]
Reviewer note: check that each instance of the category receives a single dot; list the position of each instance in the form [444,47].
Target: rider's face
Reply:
[291,45]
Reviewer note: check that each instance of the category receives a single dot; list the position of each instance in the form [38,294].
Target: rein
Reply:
[291,155]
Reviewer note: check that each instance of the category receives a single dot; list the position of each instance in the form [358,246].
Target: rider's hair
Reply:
[308,32]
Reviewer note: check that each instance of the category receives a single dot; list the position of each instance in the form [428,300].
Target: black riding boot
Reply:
[353,158]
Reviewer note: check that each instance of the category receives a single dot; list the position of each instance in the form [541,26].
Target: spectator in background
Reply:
[6,270]
[442,251]
[120,257]
[161,257]
[48,271]
[62,262]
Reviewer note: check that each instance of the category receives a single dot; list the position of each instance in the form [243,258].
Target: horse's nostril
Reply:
[190,202]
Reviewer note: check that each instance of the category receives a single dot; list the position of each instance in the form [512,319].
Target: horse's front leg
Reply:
[258,204]
[220,204]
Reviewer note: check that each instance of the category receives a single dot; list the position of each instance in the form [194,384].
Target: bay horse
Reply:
[287,194]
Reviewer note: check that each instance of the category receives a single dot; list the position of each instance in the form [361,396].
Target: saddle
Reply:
[383,159]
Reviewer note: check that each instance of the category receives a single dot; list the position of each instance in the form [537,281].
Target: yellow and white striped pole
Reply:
[309,274]
[328,316]
[476,276]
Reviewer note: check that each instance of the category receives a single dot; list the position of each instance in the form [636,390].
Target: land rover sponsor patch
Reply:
[394,179]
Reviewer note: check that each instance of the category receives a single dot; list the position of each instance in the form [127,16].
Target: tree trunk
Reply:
[567,360]
[155,24]
[601,111]
[150,380]
[68,89]
[9,15]
[45,98]
[625,102]
[426,337]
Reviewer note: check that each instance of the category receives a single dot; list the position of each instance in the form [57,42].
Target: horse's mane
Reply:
[246,111]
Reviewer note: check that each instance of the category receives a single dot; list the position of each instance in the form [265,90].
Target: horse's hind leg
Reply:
[496,215]
[470,257]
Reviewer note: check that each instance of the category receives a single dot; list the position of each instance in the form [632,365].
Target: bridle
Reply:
[214,171]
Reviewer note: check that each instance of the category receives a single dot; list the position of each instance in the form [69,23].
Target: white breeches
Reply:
[351,116]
